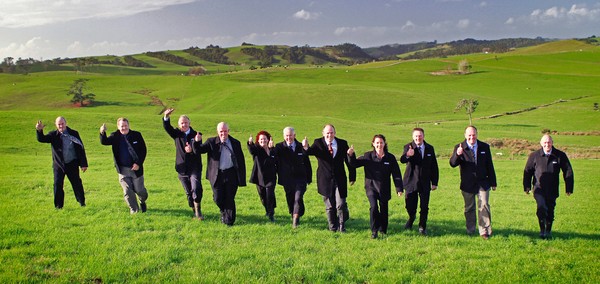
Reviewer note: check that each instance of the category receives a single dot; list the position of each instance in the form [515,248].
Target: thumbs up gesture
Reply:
[270,142]
[459,150]
[305,143]
[250,141]
[103,128]
[188,148]
[410,152]
[198,137]
[351,150]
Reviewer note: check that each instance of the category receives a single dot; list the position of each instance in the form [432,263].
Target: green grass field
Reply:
[103,243]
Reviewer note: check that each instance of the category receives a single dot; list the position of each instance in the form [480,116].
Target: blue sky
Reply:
[46,29]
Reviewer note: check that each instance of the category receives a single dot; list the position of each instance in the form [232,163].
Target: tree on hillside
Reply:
[464,67]
[469,105]
[77,90]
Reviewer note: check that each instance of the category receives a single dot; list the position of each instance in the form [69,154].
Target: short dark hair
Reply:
[419,129]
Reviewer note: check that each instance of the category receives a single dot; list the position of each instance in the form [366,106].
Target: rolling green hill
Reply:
[550,87]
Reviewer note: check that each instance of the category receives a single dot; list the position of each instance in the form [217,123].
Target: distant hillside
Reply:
[216,59]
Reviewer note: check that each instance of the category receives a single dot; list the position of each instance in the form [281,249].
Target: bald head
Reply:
[546,143]
[223,131]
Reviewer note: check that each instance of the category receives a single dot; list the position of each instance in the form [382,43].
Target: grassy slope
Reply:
[38,243]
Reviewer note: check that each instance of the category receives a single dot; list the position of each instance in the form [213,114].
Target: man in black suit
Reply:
[68,154]
[542,171]
[188,163]
[420,178]
[477,177]
[129,153]
[331,154]
[294,172]
[226,170]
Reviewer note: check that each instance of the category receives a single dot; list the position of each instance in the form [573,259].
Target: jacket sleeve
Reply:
[351,171]
[168,128]
[567,170]
[396,174]
[528,172]
[435,171]
[455,159]
[43,138]
[404,159]
[143,150]
[490,168]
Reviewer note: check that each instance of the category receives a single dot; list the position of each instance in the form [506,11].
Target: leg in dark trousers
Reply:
[374,214]
[411,200]
[224,192]
[59,193]
[267,199]
[424,213]
[331,211]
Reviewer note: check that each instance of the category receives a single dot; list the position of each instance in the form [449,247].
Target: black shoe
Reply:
[374,235]
[295,222]
[408,225]
[422,231]
[143,207]
[271,218]
[342,228]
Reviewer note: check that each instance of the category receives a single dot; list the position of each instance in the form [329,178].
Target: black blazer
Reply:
[53,137]
[185,163]
[135,140]
[378,173]
[330,170]
[263,170]
[474,175]
[420,173]
[292,166]
[544,170]
[212,147]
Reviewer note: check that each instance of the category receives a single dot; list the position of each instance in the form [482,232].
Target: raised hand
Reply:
[168,112]
[39,125]
[198,137]
[411,151]
[188,148]
[350,150]
[459,150]
[250,140]
[103,128]
[305,143]
[270,142]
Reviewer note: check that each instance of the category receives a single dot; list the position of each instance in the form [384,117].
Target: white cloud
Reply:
[483,4]
[28,13]
[510,21]
[408,26]
[361,30]
[463,23]
[575,13]
[34,45]
[306,15]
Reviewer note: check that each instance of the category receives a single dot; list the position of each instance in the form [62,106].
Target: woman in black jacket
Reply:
[264,171]
[379,166]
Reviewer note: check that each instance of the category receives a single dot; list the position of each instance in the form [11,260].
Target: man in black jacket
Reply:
[68,154]
[420,178]
[542,171]
[129,153]
[225,169]
[294,172]
[477,177]
[331,154]
[188,163]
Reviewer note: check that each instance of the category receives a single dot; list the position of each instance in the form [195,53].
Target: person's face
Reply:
[418,137]
[223,132]
[289,136]
[546,143]
[378,144]
[263,140]
[471,135]
[61,125]
[329,133]
[123,127]
[184,124]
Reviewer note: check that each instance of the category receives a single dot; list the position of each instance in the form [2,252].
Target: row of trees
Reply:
[212,53]
[165,56]
[469,46]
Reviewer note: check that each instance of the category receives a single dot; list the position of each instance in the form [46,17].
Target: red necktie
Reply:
[330,149]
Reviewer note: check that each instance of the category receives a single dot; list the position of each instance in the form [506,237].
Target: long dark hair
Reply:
[385,148]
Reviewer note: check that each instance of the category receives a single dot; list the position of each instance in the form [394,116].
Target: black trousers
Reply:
[224,192]
[412,200]
[545,207]
[192,187]
[71,170]
[294,195]
[267,198]
[378,212]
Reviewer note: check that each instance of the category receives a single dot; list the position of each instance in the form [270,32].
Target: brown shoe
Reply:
[485,236]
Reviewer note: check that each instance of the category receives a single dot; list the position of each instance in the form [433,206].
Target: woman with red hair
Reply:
[263,171]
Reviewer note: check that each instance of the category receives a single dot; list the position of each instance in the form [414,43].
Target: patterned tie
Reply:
[330,149]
